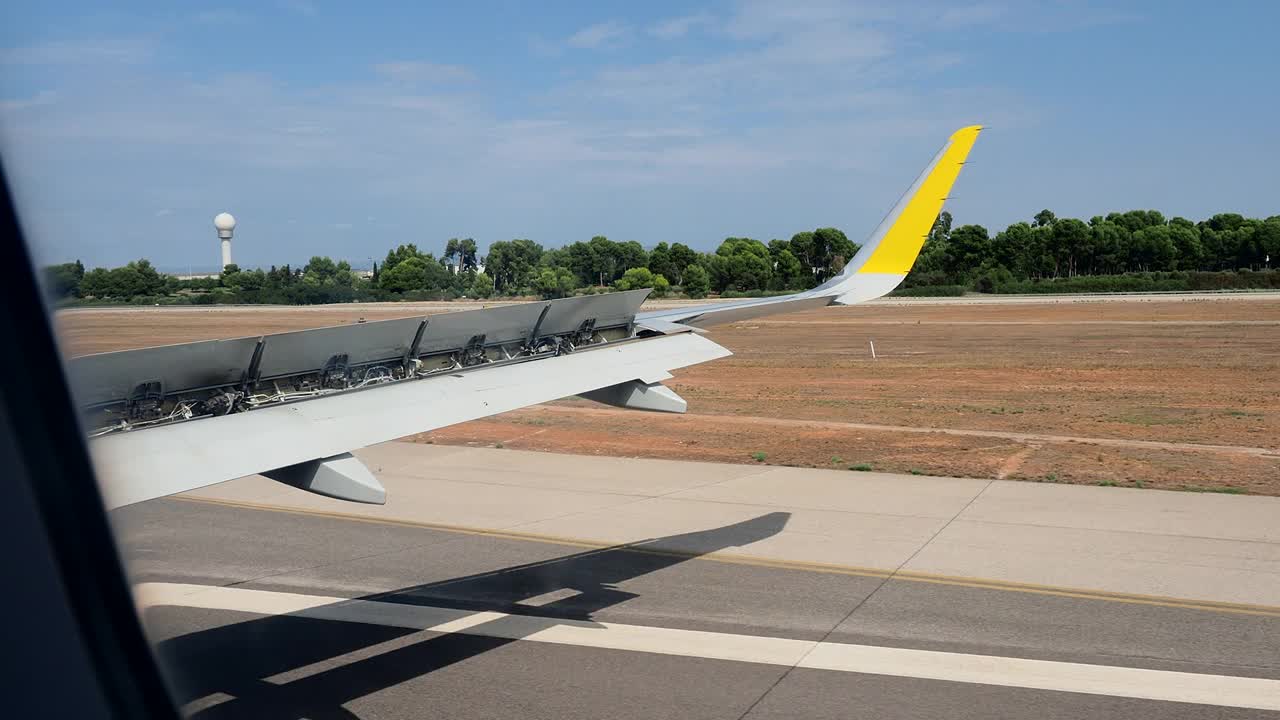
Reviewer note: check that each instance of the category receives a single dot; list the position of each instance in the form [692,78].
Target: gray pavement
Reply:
[1184,546]
[231,663]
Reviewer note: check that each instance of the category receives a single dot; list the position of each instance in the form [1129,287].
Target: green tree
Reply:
[803,247]
[660,260]
[599,261]
[941,228]
[968,249]
[436,275]
[252,280]
[95,283]
[696,281]
[837,249]
[408,274]
[1011,248]
[481,286]
[511,264]
[603,254]
[635,278]
[1186,240]
[424,273]
[1268,238]
[632,254]
[1040,257]
[1152,249]
[682,256]
[1110,245]
[788,273]
[661,286]
[400,254]
[461,253]
[822,252]
[556,282]
[63,280]
[741,264]
[135,279]
[1070,245]
[324,272]
[1135,220]
[929,268]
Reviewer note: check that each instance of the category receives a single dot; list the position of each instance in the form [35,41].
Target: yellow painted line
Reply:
[781,564]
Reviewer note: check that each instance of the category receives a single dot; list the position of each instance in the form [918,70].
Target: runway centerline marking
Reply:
[776,563]
[1115,681]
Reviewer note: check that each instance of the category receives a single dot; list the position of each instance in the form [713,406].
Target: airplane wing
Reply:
[292,406]
[878,268]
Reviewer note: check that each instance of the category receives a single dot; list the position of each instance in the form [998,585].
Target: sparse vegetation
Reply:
[758,456]
[861,467]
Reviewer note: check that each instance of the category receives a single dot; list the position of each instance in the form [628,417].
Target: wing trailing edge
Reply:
[176,457]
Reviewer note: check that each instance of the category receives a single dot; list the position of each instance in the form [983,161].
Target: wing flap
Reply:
[169,459]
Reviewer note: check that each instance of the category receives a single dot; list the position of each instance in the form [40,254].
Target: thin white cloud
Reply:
[680,26]
[427,72]
[306,128]
[44,97]
[221,16]
[764,18]
[541,47]
[598,35]
[965,15]
[162,212]
[791,107]
[301,7]
[84,52]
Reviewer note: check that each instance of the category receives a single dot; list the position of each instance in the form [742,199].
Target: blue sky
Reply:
[336,129]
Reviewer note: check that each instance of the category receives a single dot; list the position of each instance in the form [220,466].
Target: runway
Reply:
[499,583]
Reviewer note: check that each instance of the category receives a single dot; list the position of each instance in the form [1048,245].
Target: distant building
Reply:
[454,267]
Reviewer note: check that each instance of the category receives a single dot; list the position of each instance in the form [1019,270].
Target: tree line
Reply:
[515,268]
[1135,250]
[1117,250]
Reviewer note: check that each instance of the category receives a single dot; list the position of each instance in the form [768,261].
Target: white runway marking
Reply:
[1141,683]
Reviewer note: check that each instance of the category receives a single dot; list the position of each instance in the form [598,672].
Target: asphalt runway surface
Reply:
[297,613]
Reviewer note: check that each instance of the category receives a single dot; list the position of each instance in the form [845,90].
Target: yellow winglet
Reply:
[909,223]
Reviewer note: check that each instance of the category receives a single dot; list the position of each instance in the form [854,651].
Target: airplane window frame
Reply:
[67,576]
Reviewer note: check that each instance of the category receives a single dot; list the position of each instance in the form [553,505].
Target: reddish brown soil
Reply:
[801,388]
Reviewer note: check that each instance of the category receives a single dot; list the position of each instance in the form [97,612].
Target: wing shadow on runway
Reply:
[252,661]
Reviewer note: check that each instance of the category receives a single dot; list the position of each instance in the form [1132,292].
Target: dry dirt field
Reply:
[1181,394]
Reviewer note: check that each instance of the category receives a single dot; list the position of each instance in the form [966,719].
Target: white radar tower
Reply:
[226,225]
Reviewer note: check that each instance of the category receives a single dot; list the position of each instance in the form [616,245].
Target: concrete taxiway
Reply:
[504,583]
